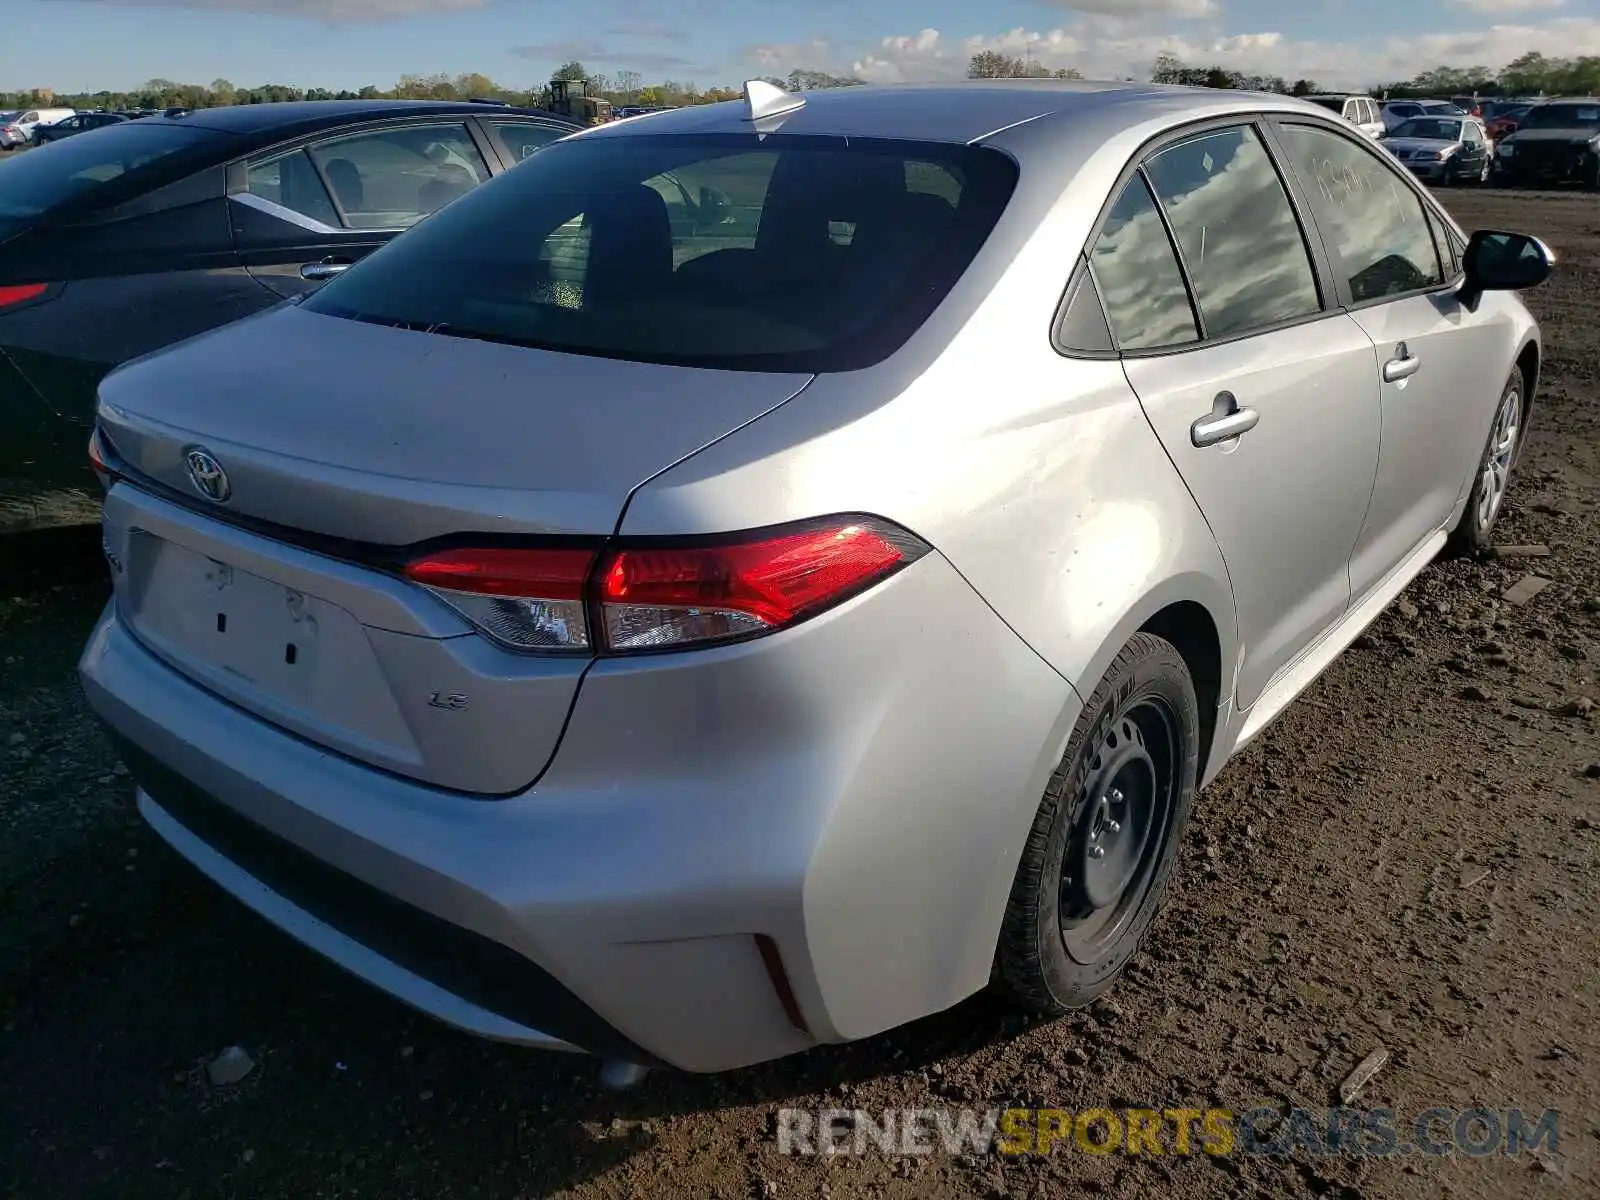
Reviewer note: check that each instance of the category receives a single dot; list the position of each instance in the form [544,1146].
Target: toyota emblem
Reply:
[207,475]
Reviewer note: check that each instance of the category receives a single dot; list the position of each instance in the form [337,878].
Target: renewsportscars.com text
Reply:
[1345,1132]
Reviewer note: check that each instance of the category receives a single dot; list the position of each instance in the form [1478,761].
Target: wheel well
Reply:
[1528,364]
[1189,627]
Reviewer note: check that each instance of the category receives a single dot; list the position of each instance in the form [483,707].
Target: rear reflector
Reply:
[19,293]
[661,596]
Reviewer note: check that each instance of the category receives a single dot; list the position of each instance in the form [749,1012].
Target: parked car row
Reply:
[19,128]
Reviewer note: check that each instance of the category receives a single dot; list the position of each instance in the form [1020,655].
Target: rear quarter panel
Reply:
[1036,475]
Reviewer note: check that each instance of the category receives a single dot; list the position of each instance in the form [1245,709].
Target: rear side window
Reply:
[775,253]
[1245,255]
[103,166]
[1137,273]
[1370,218]
[392,178]
[291,182]
[522,138]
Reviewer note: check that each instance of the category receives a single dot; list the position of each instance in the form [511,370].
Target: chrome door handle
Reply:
[316,272]
[1402,366]
[1225,422]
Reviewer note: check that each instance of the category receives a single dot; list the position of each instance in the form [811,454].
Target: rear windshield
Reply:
[1562,116]
[109,163]
[1335,103]
[783,253]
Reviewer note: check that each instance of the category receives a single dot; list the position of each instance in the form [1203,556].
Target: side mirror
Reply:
[1503,262]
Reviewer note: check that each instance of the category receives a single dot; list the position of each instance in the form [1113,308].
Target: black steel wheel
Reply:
[1101,851]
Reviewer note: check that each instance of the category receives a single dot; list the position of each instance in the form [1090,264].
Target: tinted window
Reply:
[1562,116]
[106,165]
[787,253]
[394,177]
[1369,216]
[1329,102]
[522,138]
[1138,276]
[291,180]
[1245,255]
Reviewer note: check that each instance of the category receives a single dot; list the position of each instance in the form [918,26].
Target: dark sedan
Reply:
[80,123]
[122,240]
[1558,141]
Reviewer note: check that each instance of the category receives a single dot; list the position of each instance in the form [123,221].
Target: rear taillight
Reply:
[21,293]
[664,595]
[528,599]
[97,457]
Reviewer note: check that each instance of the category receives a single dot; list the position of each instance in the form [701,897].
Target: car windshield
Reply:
[1562,116]
[1336,103]
[112,160]
[775,253]
[1432,128]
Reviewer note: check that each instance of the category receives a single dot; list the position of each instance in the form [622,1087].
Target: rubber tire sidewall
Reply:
[1467,540]
[1032,964]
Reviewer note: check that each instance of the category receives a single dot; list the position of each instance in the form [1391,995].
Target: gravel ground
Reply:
[1406,860]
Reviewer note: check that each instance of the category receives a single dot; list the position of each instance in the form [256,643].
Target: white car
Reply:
[1360,111]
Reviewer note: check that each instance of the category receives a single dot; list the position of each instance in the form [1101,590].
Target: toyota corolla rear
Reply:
[387,671]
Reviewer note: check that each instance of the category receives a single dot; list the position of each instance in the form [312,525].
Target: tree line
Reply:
[1531,74]
[625,87]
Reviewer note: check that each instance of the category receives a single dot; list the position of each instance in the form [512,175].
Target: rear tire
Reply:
[1473,534]
[1100,855]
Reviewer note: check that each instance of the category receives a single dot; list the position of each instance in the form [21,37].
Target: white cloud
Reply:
[330,12]
[1115,50]
[1179,9]
[1506,6]
[815,55]
[593,53]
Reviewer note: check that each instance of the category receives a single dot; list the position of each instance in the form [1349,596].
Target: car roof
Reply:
[292,118]
[962,111]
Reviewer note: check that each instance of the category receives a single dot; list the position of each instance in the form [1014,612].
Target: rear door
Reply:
[1438,383]
[1263,394]
[304,213]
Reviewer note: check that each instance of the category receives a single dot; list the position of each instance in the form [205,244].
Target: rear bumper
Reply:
[857,790]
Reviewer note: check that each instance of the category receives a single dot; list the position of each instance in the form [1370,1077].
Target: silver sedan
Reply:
[752,577]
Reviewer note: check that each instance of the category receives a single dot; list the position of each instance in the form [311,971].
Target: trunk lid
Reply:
[386,438]
[391,436]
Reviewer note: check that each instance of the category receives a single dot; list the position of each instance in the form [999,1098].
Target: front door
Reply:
[1262,393]
[1438,389]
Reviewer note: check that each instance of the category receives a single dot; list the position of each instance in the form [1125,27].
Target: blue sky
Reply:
[73,45]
